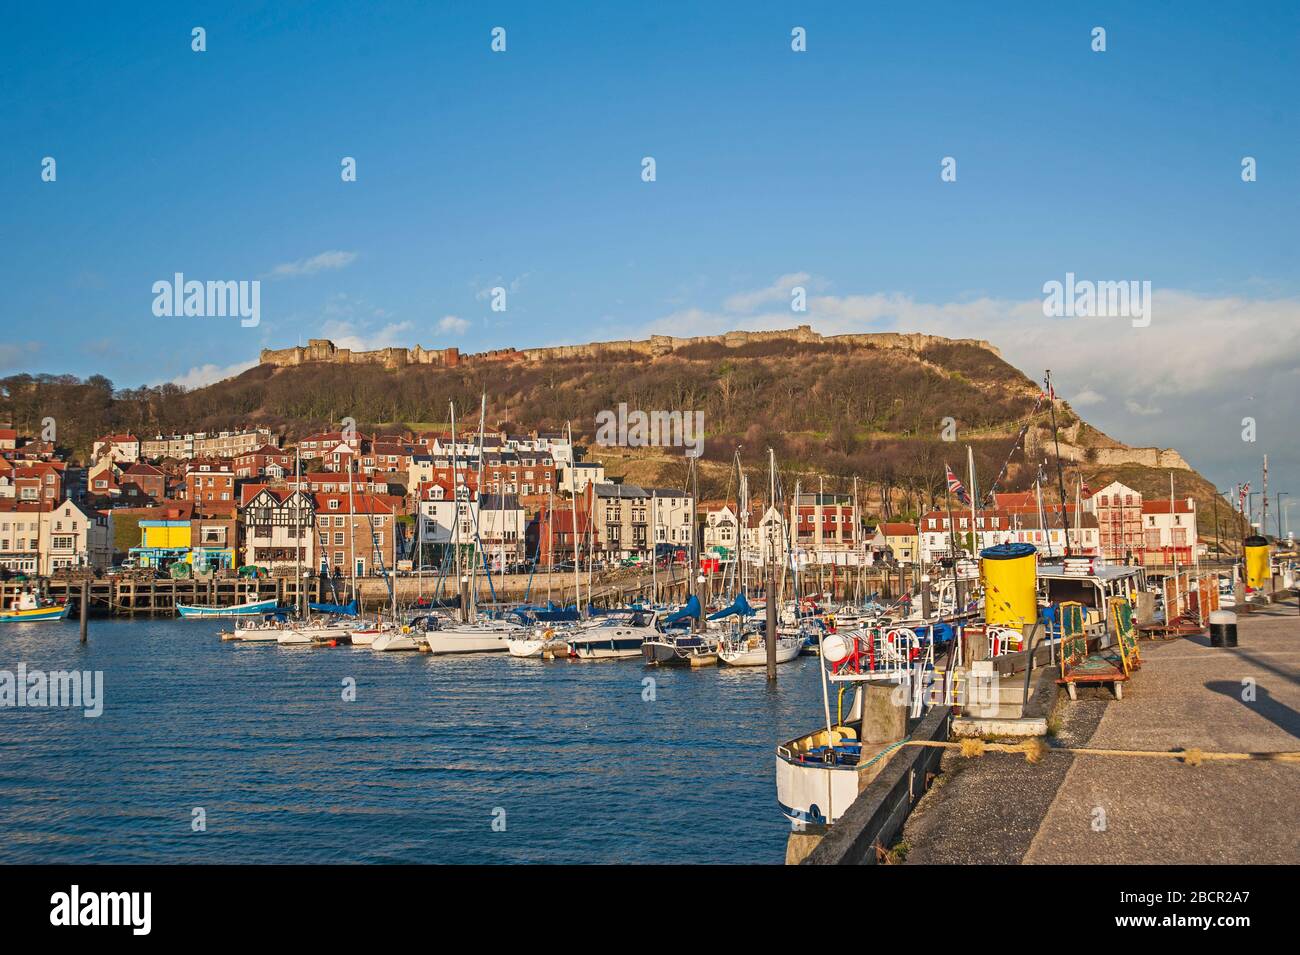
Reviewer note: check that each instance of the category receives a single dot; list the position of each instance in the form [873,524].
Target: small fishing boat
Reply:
[250,609]
[30,607]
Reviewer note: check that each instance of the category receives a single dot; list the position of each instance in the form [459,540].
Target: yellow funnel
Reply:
[1009,573]
[1258,570]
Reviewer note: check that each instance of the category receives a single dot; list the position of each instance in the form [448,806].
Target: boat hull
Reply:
[472,638]
[196,612]
[36,614]
[259,635]
[613,648]
[690,651]
[395,642]
[814,795]
[756,656]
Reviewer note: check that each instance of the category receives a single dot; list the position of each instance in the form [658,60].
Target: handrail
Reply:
[1029,665]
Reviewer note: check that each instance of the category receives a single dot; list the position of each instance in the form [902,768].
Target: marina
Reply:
[584,766]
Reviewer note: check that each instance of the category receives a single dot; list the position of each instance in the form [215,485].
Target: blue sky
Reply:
[522,169]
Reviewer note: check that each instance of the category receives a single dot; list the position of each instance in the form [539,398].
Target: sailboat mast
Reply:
[573,513]
[974,504]
[550,538]
[478,511]
[352,531]
[297,528]
[1060,476]
[455,508]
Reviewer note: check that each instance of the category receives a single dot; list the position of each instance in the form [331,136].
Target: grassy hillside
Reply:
[830,410]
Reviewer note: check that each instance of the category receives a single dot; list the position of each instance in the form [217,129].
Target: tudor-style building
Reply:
[278,526]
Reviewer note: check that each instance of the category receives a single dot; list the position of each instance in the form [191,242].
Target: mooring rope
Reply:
[1034,750]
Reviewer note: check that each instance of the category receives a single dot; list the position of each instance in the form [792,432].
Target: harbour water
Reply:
[572,757]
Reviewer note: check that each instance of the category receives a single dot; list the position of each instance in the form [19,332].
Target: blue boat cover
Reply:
[739,607]
[692,609]
[346,610]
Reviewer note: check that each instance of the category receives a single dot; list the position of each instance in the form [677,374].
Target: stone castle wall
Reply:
[324,350]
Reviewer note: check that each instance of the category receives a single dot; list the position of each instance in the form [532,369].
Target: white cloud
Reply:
[357,337]
[778,291]
[484,290]
[14,356]
[201,375]
[1137,408]
[1198,360]
[452,325]
[310,266]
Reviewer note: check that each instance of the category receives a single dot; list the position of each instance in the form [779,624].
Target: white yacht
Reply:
[749,648]
[613,638]
[482,636]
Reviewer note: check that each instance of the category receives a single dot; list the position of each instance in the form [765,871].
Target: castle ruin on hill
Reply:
[324,350]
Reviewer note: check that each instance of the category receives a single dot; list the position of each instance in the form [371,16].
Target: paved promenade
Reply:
[1116,809]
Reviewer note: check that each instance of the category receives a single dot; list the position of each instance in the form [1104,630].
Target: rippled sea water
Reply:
[414,770]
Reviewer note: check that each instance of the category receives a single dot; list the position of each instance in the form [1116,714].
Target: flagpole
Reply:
[974,502]
[1060,476]
[952,550]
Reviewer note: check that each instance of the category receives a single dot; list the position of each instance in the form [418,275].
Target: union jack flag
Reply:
[955,486]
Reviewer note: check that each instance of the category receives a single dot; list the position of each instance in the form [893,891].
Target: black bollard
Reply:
[1223,628]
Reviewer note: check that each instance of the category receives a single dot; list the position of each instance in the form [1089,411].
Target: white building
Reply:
[721,531]
[584,473]
[73,537]
[119,448]
[670,517]
[769,539]
[498,520]
[999,527]
[501,523]
[1168,533]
